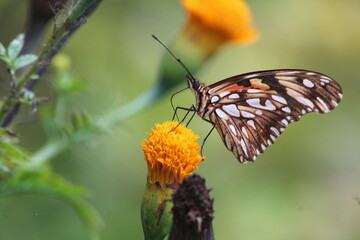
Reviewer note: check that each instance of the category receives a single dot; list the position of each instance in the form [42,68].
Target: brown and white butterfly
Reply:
[251,110]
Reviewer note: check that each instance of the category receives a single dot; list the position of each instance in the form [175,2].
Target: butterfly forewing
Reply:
[251,110]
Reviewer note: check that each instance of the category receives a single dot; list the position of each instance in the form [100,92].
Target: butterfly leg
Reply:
[191,118]
[202,145]
[191,109]
[172,104]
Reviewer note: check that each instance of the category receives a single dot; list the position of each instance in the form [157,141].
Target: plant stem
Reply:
[60,36]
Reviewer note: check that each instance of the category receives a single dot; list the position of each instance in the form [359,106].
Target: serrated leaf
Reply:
[2,50]
[15,46]
[24,60]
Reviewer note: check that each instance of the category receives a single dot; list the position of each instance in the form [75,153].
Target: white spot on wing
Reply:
[335,103]
[273,137]
[303,111]
[223,94]
[228,141]
[305,101]
[263,147]
[324,80]
[308,83]
[253,90]
[220,113]
[269,142]
[285,122]
[232,128]
[232,110]
[243,129]
[288,73]
[279,99]
[251,123]
[275,131]
[247,114]
[258,112]
[255,102]
[286,78]
[269,105]
[326,108]
[214,99]
[252,75]
[322,84]
[234,96]
[310,73]
[244,147]
[340,95]
[286,109]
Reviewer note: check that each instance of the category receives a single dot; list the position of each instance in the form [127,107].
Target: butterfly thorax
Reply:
[201,95]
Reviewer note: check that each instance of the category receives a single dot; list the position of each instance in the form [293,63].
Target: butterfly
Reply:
[251,110]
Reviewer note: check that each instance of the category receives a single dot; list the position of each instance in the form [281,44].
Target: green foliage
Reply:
[2,49]
[24,60]
[22,171]
[11,55]
[15,46]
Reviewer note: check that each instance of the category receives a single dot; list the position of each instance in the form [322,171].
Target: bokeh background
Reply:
[303,187]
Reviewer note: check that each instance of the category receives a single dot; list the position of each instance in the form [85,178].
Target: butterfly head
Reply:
[193,83]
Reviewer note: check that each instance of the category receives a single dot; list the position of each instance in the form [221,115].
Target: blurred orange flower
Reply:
[212,23]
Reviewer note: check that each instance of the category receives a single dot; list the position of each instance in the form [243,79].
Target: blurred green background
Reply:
[303,187]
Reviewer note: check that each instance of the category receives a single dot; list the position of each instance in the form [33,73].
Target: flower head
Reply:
[212,23]
[171,153]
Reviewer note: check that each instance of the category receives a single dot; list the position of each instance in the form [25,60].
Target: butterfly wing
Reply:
[252,110]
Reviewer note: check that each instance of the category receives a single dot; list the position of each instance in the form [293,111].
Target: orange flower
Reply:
[171,153]
[212,23]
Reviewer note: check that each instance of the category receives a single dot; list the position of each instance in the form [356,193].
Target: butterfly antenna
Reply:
[177,59]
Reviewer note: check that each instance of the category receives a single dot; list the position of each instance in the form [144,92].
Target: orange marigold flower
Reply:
[214,22]
[171,153]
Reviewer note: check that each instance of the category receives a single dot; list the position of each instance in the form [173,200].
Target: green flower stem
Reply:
[47,152]
[156,214]
[133,107]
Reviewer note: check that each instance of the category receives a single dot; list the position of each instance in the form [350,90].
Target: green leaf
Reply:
[6,59]
[24,60]
[15,46]
[2,50]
